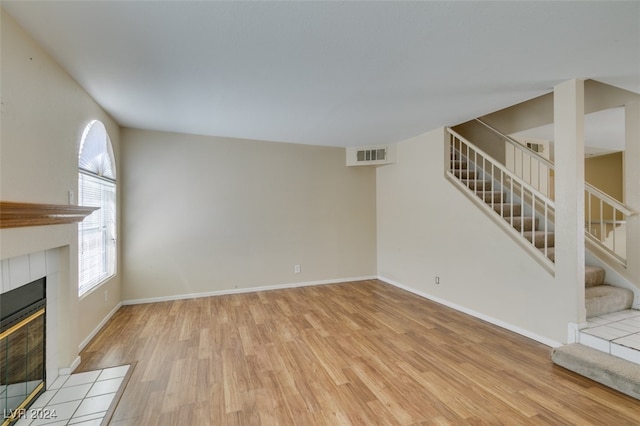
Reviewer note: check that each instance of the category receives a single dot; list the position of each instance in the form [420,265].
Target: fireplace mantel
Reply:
[15,215]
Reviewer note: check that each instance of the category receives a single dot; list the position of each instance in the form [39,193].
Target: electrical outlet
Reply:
[296,269]
[437,279]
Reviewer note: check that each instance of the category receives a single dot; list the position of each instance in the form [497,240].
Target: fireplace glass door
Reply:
[22,352]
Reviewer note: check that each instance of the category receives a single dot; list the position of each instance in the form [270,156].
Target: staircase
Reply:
[503,197]
[600,298]
[609,347]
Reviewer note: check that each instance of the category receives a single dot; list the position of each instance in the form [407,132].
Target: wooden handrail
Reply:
[519,146]
[626,210]
[504,170]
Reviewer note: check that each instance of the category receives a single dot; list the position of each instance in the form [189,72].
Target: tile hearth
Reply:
[78,399]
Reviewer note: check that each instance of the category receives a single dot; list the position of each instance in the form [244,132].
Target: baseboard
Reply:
[494,321]
[244,290]
[71,368]
[95,331]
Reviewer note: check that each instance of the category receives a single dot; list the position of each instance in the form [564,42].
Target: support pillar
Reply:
[632,188]
[568,114]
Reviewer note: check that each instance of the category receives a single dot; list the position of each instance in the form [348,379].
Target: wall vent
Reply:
[535,147]
[370,155]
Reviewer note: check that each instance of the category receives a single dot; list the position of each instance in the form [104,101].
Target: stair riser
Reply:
[593,276]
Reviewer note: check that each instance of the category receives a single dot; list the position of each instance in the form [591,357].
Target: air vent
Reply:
[370,155]
[535,147]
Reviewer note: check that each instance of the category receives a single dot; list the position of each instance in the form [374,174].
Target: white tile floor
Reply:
[617,334]
[76,399]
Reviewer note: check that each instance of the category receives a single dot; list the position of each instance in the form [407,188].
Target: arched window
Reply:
[96,188]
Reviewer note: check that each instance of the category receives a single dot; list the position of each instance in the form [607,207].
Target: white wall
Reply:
[427,228]
[206,214]
[43,114]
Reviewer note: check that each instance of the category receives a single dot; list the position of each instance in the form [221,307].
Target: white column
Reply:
[569,196]
[632,187]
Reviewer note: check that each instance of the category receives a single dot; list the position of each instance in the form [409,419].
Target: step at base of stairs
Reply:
[606,369]
[605,299]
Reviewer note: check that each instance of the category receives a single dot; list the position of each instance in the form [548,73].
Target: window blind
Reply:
[97,233]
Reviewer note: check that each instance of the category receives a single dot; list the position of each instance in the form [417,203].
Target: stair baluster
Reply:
[493,187]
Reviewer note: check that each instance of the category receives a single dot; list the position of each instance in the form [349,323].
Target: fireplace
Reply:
[36,244]
[22,347]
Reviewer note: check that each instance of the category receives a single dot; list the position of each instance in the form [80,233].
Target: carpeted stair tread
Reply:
[593,275]
[506,209]
[609,370]
[478,185]
[459,164]
[464,174]
[540,239]
[551,253]
[519,222]
[491,196]
[606,299]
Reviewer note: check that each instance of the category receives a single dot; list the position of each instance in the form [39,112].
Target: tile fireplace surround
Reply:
[42,232]
[21,270]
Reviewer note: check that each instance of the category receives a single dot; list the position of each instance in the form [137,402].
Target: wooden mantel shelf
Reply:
[15,215]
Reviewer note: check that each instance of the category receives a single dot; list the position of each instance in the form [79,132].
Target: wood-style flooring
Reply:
[362,353]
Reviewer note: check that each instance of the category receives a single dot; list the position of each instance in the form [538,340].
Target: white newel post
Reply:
[569,184]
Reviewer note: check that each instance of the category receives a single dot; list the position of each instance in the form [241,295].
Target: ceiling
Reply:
[328,73]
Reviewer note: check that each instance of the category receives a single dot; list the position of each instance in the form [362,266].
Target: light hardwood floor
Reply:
[355,353]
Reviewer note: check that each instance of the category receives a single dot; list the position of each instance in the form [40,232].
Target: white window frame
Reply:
[97,234]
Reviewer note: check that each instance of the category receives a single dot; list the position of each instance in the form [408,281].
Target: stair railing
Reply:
[459,150]
[605,222]
[605,217]
[532,167]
